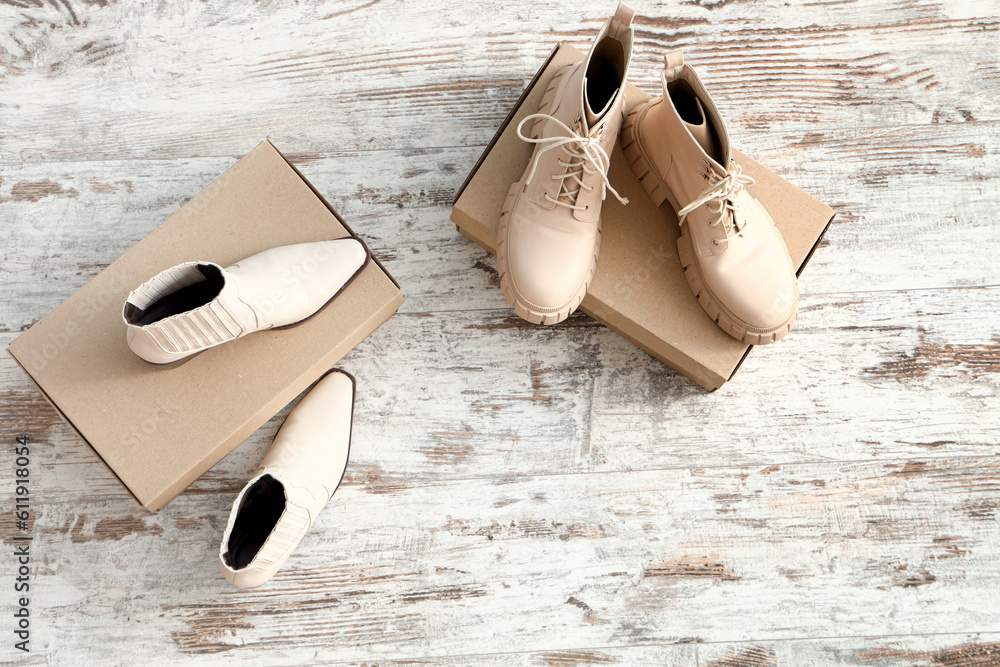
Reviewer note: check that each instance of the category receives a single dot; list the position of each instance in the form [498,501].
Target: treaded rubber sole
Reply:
[524,310]
[658,191]
[712,306]
[637,160]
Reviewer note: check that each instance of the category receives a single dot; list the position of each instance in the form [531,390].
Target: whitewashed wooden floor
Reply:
[520,495]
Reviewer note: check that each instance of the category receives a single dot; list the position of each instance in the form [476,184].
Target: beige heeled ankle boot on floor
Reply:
[549,234]
[197,305]
[734,258]
[293,483]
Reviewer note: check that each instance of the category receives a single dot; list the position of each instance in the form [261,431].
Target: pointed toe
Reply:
[197,305]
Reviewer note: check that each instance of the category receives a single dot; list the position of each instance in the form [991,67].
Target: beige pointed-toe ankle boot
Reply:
[294,482]
[197,305]
[548,239]
[734,258]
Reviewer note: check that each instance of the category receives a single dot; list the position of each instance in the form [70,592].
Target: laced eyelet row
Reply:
[724,190]
[584,151]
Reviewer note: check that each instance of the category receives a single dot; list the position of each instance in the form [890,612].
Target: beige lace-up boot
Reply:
[734,258]
[549,234]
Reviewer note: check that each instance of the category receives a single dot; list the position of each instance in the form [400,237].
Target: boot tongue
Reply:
[702,133]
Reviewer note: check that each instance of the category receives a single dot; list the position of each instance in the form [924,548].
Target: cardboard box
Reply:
[639,289]
[158,428]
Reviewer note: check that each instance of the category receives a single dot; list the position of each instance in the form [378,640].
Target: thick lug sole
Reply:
[640,164]
[658,191]
[524,310]
[711,305]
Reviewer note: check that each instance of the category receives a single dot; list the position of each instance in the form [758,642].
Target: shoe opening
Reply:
[262,506]
[692,112]
[192,288]
[605,73]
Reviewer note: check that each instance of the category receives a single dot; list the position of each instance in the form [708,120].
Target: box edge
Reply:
[69,422]
[332,210]
[815,246]
[505,123]
[166,496]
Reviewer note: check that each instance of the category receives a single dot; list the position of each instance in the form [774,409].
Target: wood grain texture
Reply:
[914,210]
[558,562]
[535,496]
[211,78]
[490,395]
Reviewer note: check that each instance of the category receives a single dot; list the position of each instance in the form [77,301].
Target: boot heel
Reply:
[643,170]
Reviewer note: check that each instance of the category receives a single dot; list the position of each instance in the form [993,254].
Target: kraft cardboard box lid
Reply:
[639,289]
[158,428]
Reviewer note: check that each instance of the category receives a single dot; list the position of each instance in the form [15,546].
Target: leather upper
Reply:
[753,279]
[550,254]
[277,287]
[288,284]
[308,457]
[741,257]
[310,450]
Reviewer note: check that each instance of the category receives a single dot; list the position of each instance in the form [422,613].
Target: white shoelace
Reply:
[583,151]
[724,190]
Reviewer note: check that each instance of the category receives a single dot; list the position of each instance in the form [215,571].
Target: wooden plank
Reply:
[545,564]
[908,651]
[869,376]
[969,650]
[537,496]
[910,203]
[213,78]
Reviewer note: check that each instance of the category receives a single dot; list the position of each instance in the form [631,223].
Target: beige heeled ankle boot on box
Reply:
[197,305]
[734,258]
[293,483]
[549,234]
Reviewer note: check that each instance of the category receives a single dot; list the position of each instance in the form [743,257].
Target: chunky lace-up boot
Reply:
[549,234]
[734,258]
